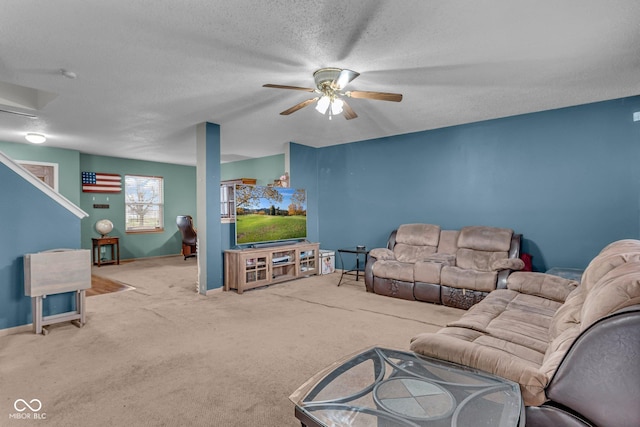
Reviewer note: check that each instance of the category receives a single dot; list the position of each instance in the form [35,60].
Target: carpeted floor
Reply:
[162,355]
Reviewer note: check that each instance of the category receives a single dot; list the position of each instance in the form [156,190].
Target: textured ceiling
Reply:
[148,71]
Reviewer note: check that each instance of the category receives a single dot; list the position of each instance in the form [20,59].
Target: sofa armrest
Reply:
[382,253]
[541,284]
[598,376]
[507,264]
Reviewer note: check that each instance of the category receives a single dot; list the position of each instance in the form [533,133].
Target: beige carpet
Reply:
[162,355]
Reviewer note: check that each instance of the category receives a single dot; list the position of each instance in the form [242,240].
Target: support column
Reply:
[210,255]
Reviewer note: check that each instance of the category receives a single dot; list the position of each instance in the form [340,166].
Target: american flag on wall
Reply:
[95,182]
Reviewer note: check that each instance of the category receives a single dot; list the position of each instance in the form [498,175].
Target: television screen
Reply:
[269,214]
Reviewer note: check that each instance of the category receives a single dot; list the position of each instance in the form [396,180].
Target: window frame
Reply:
[229,186]
[159,204]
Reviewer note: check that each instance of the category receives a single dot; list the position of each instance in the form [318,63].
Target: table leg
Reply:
[342,265]
[36,314]
[80,306]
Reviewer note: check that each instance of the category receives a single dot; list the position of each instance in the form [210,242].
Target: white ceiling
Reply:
[148,71]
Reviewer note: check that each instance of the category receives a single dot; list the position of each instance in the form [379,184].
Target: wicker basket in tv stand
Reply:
[251,268]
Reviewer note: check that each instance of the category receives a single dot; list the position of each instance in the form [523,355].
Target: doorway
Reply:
[45,172]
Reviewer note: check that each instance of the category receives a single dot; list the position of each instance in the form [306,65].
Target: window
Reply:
[227,194]
[144,203]
[227,208]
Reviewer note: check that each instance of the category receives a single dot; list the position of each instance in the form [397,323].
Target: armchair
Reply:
[189,235]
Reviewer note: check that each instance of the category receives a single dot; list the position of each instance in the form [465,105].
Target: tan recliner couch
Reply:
[457,268]
[573,348]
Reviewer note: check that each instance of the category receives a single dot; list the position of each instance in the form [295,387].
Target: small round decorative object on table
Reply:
[104,227]
[414,398]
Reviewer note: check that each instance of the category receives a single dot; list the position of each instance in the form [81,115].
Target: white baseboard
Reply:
[16,330]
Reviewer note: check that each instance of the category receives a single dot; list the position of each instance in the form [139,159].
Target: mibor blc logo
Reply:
[28,410]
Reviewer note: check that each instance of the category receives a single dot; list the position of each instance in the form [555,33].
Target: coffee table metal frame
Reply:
[310,409]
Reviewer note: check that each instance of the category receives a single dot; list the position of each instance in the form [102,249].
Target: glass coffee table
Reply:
[383,387]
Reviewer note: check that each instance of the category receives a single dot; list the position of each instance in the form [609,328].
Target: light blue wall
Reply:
[566,179]
[264,169]
[179,199]
[31,222]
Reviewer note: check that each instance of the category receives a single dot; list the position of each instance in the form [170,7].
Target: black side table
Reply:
[357,251]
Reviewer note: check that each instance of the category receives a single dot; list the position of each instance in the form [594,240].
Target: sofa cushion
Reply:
[541,284]
[514,317]
[396,270]
[478,260]
[618,289]
[427,271]
[505,334]
[416,241]
[610,257]
[448,243]
[624,245]
[477,350]
[568,315]
[418,234]
[483,238]
[463,278]
[410,253]
[557,349]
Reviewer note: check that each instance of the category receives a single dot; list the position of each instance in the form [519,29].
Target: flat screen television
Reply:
[269,214]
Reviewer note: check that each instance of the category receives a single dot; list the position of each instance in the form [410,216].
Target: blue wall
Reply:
[31,222]
[215,245]
[566,179]
[304,164]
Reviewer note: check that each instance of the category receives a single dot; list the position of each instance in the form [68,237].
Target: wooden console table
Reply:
[251,268]
[114,242]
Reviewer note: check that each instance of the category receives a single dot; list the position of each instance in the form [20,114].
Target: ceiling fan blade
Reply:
[18,113]
[381,96]
[348,111]
[306,89]
[299,106]
[344,78]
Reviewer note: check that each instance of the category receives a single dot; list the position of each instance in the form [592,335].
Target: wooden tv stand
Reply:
[251,268]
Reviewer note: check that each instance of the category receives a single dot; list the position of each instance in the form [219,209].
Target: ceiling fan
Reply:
[330,83]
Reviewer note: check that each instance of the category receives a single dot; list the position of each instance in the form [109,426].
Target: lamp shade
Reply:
[336,106]
[323,104]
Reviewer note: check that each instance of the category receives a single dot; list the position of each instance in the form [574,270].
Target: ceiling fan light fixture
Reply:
[323,104]
[330,84]
[35,138]
[336,106]
[325,76]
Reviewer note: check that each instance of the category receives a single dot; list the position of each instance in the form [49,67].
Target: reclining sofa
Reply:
[456,268]
[573,348]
